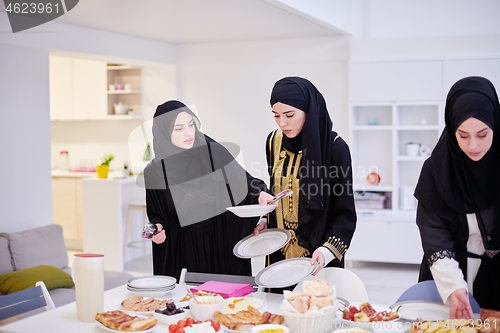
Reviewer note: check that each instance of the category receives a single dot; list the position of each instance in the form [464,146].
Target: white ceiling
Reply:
[195,21]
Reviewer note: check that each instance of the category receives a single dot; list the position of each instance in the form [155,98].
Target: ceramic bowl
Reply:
[169,320]
[262,328]
[208,305]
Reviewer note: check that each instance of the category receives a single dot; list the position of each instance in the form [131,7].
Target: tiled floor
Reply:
[383,282]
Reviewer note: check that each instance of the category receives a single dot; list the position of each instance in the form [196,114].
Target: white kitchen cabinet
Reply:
[78,89]
[61,88]
[379,133]
[131,78]
[89,84]
[68,210]
[384,237]
[395,81]
[386,230]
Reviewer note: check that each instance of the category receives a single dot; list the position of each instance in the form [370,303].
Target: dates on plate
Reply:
[170,310]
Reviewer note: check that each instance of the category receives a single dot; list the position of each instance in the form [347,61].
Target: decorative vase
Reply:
[102,170]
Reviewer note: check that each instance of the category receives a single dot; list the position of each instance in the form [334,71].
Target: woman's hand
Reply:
[259,227]
[160,236]
[264,198]
[460,305]
[320,258]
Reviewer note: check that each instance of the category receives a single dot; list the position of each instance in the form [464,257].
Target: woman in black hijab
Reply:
[306,156]
[459,200]
[189,184]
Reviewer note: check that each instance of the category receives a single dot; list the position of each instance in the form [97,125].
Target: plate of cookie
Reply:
[138,305]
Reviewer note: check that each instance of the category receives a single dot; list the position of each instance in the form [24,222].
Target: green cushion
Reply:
[27,278]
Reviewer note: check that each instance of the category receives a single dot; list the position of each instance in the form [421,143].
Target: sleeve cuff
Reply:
[327,254]
[448,278]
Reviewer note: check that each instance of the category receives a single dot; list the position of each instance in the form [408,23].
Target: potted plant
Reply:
[103,169]
[126,170]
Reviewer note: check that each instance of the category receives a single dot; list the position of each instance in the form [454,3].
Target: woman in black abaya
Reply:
[458,196]
[189,184]
[306,156]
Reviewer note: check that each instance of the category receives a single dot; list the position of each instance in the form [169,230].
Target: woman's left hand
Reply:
[264,198]
[320,258]
[460,305]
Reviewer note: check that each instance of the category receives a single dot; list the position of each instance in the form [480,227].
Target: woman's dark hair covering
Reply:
[450,182]
[315,139]
[180,164]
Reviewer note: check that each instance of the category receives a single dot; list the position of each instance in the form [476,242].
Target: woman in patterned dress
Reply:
[306,156]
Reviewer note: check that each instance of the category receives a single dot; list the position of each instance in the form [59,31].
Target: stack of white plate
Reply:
[151,286]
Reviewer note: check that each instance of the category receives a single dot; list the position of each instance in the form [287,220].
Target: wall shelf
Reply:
[122,92]
[372,128]
[120,67]
[381,148]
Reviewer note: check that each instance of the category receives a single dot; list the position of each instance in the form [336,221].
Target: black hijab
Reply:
[450,182]
[181,165]
[314,140]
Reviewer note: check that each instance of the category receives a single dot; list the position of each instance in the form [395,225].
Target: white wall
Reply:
[231,83]
[25,183]
[387,19]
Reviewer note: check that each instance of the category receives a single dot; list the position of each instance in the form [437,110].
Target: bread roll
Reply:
[320,302]
[301,303]
[318,288]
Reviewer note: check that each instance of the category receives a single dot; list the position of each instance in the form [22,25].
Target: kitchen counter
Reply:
[71,174]
[59,173]
[105,213]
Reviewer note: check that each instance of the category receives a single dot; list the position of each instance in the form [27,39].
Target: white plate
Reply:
[251,210]
[133,313]
[258,303]
[114,331]
[158,293]
[152,282]
[267,242]
[150,289]
[428,311]
[285,273]
[366,326]
[227,330]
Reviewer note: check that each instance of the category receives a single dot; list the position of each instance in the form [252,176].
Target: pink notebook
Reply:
[225,289]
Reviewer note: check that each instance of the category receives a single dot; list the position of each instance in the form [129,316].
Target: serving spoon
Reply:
[190,292]
[274,200]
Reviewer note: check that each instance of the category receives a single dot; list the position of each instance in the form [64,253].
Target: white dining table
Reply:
[63,319]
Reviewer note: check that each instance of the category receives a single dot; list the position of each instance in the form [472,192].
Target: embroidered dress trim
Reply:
[440,255]
[336,246]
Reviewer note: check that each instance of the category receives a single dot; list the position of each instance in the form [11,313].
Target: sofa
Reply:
[45,246]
